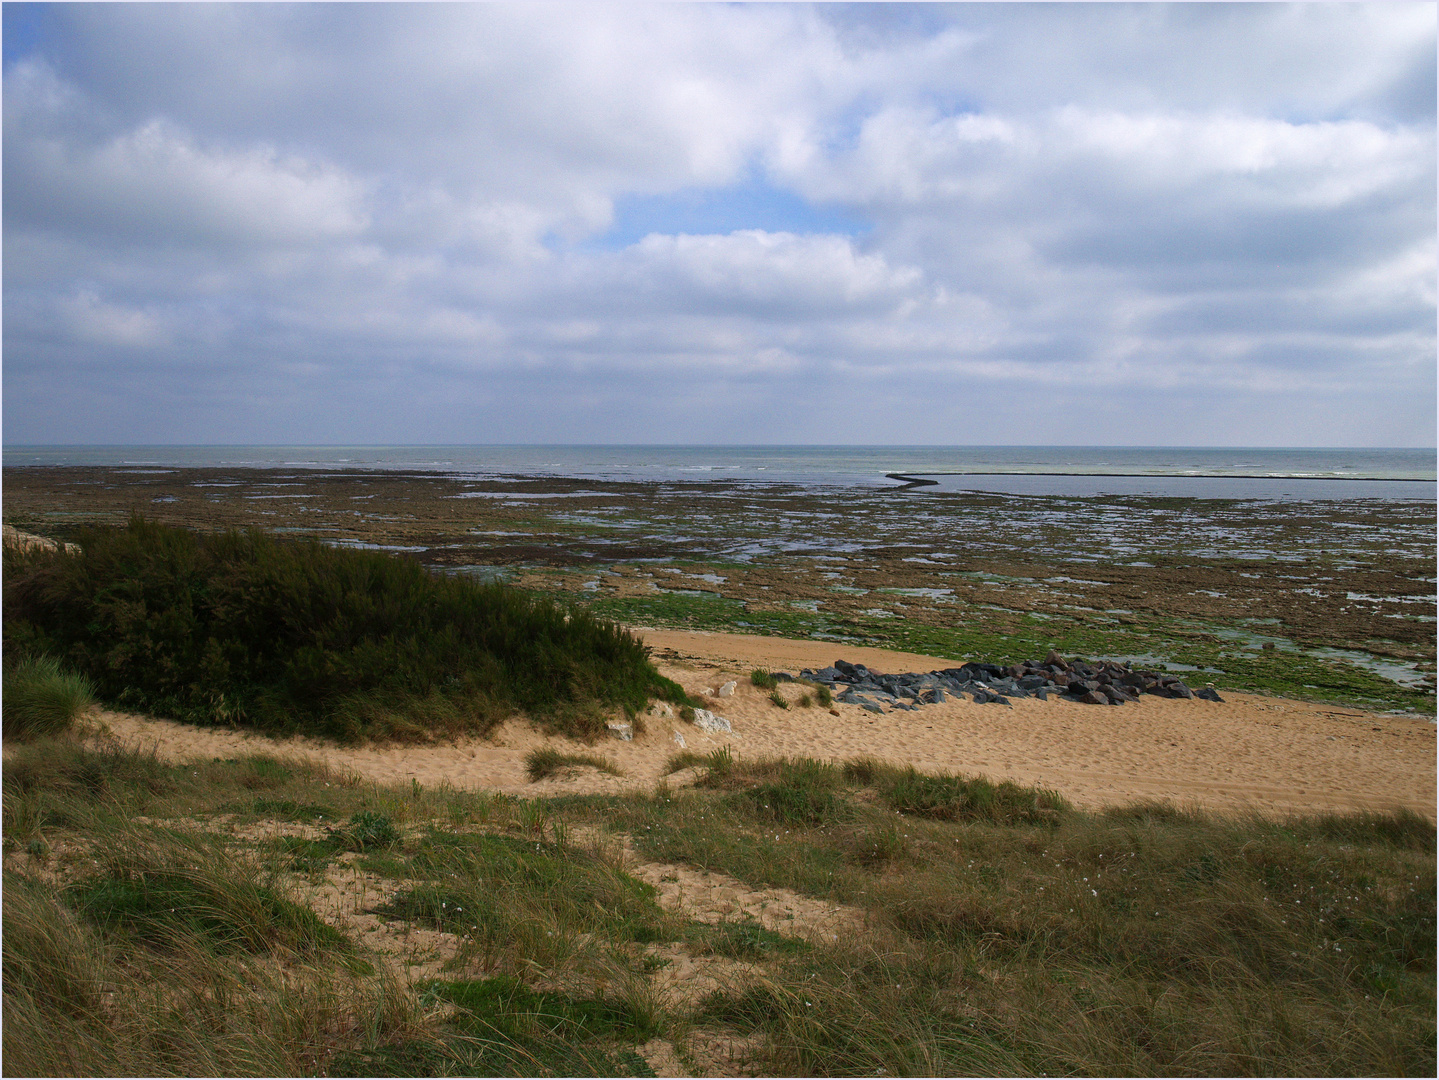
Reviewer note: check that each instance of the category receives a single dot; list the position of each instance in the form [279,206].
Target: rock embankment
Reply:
[1106,682]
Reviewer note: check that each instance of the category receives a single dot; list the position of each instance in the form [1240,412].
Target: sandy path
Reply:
[1250,752]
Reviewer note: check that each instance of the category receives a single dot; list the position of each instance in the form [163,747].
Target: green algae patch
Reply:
[1199,653]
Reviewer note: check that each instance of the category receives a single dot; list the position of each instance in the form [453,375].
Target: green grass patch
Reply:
[506,893]
[290,809]
[303,856]
[62,770]
[503,1028]
[955,798]
[505,1005]
[172,892]
[366,829]
[745,939]
[792,804]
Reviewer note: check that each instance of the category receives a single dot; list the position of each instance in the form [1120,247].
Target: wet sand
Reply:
[1248,753]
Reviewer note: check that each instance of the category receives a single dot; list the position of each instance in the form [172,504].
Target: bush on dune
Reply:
[243,628]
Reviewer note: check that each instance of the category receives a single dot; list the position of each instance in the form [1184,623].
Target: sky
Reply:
[1003,224]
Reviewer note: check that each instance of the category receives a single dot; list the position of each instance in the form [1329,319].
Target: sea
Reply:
[1073,471]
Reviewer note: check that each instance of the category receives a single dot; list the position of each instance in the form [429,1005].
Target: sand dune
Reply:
[1247,753]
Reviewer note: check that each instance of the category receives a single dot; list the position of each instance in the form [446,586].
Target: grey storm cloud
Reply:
[375,223]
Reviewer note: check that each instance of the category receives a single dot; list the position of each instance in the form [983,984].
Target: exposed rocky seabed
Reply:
[1331,600]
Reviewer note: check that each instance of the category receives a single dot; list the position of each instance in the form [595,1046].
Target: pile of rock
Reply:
[1104,683]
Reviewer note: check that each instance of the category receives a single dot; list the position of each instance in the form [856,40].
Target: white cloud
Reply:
[771,271]
[154,185]
[1319,164]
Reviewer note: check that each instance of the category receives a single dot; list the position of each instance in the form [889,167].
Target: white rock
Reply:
[662,710]
[708,721]
[620,729]
[680,739]
[727,689]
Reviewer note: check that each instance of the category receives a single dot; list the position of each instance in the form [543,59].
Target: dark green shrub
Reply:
[763,679]
[242,628]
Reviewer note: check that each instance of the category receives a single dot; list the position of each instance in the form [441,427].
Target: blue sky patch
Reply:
[27,27]
[702,212]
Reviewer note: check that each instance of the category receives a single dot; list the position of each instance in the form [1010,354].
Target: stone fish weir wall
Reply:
[1104,683]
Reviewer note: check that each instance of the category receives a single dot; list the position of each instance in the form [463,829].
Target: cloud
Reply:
[154,186]
[429,222]
[776,274]
[89,320]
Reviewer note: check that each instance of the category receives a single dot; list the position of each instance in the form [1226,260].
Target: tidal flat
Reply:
[1324,600]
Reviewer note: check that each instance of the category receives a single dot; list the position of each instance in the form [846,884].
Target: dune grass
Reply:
[42,698]
[546,761]
[172,959]
[144,935]
[245,629]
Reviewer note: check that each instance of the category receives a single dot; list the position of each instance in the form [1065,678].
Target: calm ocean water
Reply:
[1228,472]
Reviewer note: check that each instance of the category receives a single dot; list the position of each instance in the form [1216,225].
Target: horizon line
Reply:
[697,445]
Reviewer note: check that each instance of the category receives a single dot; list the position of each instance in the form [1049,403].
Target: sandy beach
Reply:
[1249,753]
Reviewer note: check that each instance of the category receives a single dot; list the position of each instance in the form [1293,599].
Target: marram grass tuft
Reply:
[42,698]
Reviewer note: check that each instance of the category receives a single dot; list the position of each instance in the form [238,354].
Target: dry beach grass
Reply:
[255,915]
